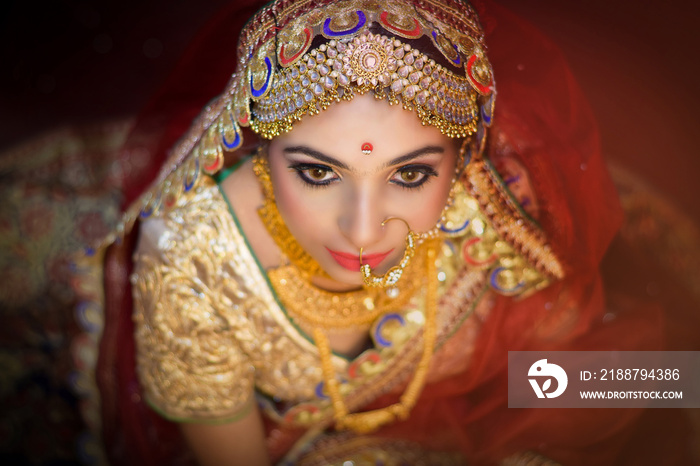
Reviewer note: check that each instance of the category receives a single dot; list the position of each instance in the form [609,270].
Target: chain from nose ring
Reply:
[393,275]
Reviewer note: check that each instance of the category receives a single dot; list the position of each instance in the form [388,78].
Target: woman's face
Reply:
[334,198]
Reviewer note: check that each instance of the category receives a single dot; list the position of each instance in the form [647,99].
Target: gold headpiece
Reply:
[426,55]
[298,57]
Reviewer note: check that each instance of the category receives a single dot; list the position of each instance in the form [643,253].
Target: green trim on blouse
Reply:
[220,179]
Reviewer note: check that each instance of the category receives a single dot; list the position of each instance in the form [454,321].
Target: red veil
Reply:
[547,124]
[543,120]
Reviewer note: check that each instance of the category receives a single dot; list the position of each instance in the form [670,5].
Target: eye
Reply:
[413,176]
[315,175]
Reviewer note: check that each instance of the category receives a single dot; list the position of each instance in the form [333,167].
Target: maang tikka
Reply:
[299,58]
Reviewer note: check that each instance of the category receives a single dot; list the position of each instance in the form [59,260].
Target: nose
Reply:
[361,217]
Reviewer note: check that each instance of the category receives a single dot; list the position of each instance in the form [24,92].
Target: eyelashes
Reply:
[411,176]
[314,175]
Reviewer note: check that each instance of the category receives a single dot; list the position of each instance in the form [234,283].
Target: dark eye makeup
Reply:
[315,175]
[413,176]
[410,176]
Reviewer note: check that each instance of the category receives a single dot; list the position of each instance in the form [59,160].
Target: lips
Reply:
[352,261]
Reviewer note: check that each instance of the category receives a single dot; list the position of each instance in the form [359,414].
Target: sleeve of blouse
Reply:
[189,362]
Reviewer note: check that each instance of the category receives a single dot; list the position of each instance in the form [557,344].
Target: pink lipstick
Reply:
[352,261]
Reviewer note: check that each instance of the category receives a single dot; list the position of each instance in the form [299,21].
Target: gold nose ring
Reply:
[392,276]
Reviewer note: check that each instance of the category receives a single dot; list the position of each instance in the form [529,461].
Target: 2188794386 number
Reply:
[640,374]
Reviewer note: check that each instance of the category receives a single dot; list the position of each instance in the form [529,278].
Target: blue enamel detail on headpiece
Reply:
[146,213]
[327,26]
[468,154]
[487,111]
[450,244]
[480,134]
[486,116]
[237,140]
[260,92]
[457,62]
[189,186]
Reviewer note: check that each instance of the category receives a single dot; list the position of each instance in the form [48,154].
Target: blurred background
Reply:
[74,72]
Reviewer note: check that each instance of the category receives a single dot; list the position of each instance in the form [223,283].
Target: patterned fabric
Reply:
[60,191]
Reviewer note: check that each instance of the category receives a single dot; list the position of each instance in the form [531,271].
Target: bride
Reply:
[348,289]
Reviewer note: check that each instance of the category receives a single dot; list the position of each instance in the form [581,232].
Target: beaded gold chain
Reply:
[370,421]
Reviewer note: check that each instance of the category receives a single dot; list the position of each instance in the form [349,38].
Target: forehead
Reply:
[342,129]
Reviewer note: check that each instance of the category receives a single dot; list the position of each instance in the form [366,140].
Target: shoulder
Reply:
[211,218]
[189,263]
[199,216]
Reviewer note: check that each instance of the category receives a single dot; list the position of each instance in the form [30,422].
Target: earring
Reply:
[440,228]
[392,276]
[463,159]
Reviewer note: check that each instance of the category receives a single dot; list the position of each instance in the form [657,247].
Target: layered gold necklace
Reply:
[327,311]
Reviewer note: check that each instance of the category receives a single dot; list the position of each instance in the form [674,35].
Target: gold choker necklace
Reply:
[311,306]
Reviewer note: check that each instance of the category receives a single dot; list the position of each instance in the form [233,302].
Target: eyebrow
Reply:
[332,161]
[317,155]
[415,154]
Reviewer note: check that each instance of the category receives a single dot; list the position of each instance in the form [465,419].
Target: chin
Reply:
[341,275]
[355,280]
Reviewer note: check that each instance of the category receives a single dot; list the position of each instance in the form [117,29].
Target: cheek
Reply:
[431,202]
[297,205]
[434,206]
